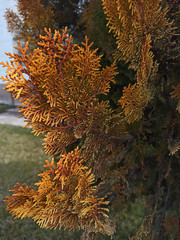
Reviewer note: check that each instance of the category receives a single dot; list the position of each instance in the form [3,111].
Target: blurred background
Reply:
[6,45]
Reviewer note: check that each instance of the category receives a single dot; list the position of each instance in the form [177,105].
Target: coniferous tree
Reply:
[33,16]
[130,149]
[29,21]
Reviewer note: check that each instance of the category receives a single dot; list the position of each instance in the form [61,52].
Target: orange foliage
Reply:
[66,197]
[58,85]
[25,27]
[131,21]
[135,24]
[136,97]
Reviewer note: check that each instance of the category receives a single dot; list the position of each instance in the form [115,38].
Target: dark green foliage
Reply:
[95,28]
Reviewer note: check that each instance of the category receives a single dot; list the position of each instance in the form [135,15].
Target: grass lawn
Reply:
[21,159]
[4,107]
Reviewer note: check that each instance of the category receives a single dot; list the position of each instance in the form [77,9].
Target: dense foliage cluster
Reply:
[60,95]
[65,198]
[131,144]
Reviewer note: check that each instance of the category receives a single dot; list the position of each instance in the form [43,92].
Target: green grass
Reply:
[21,159]
[4,107]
